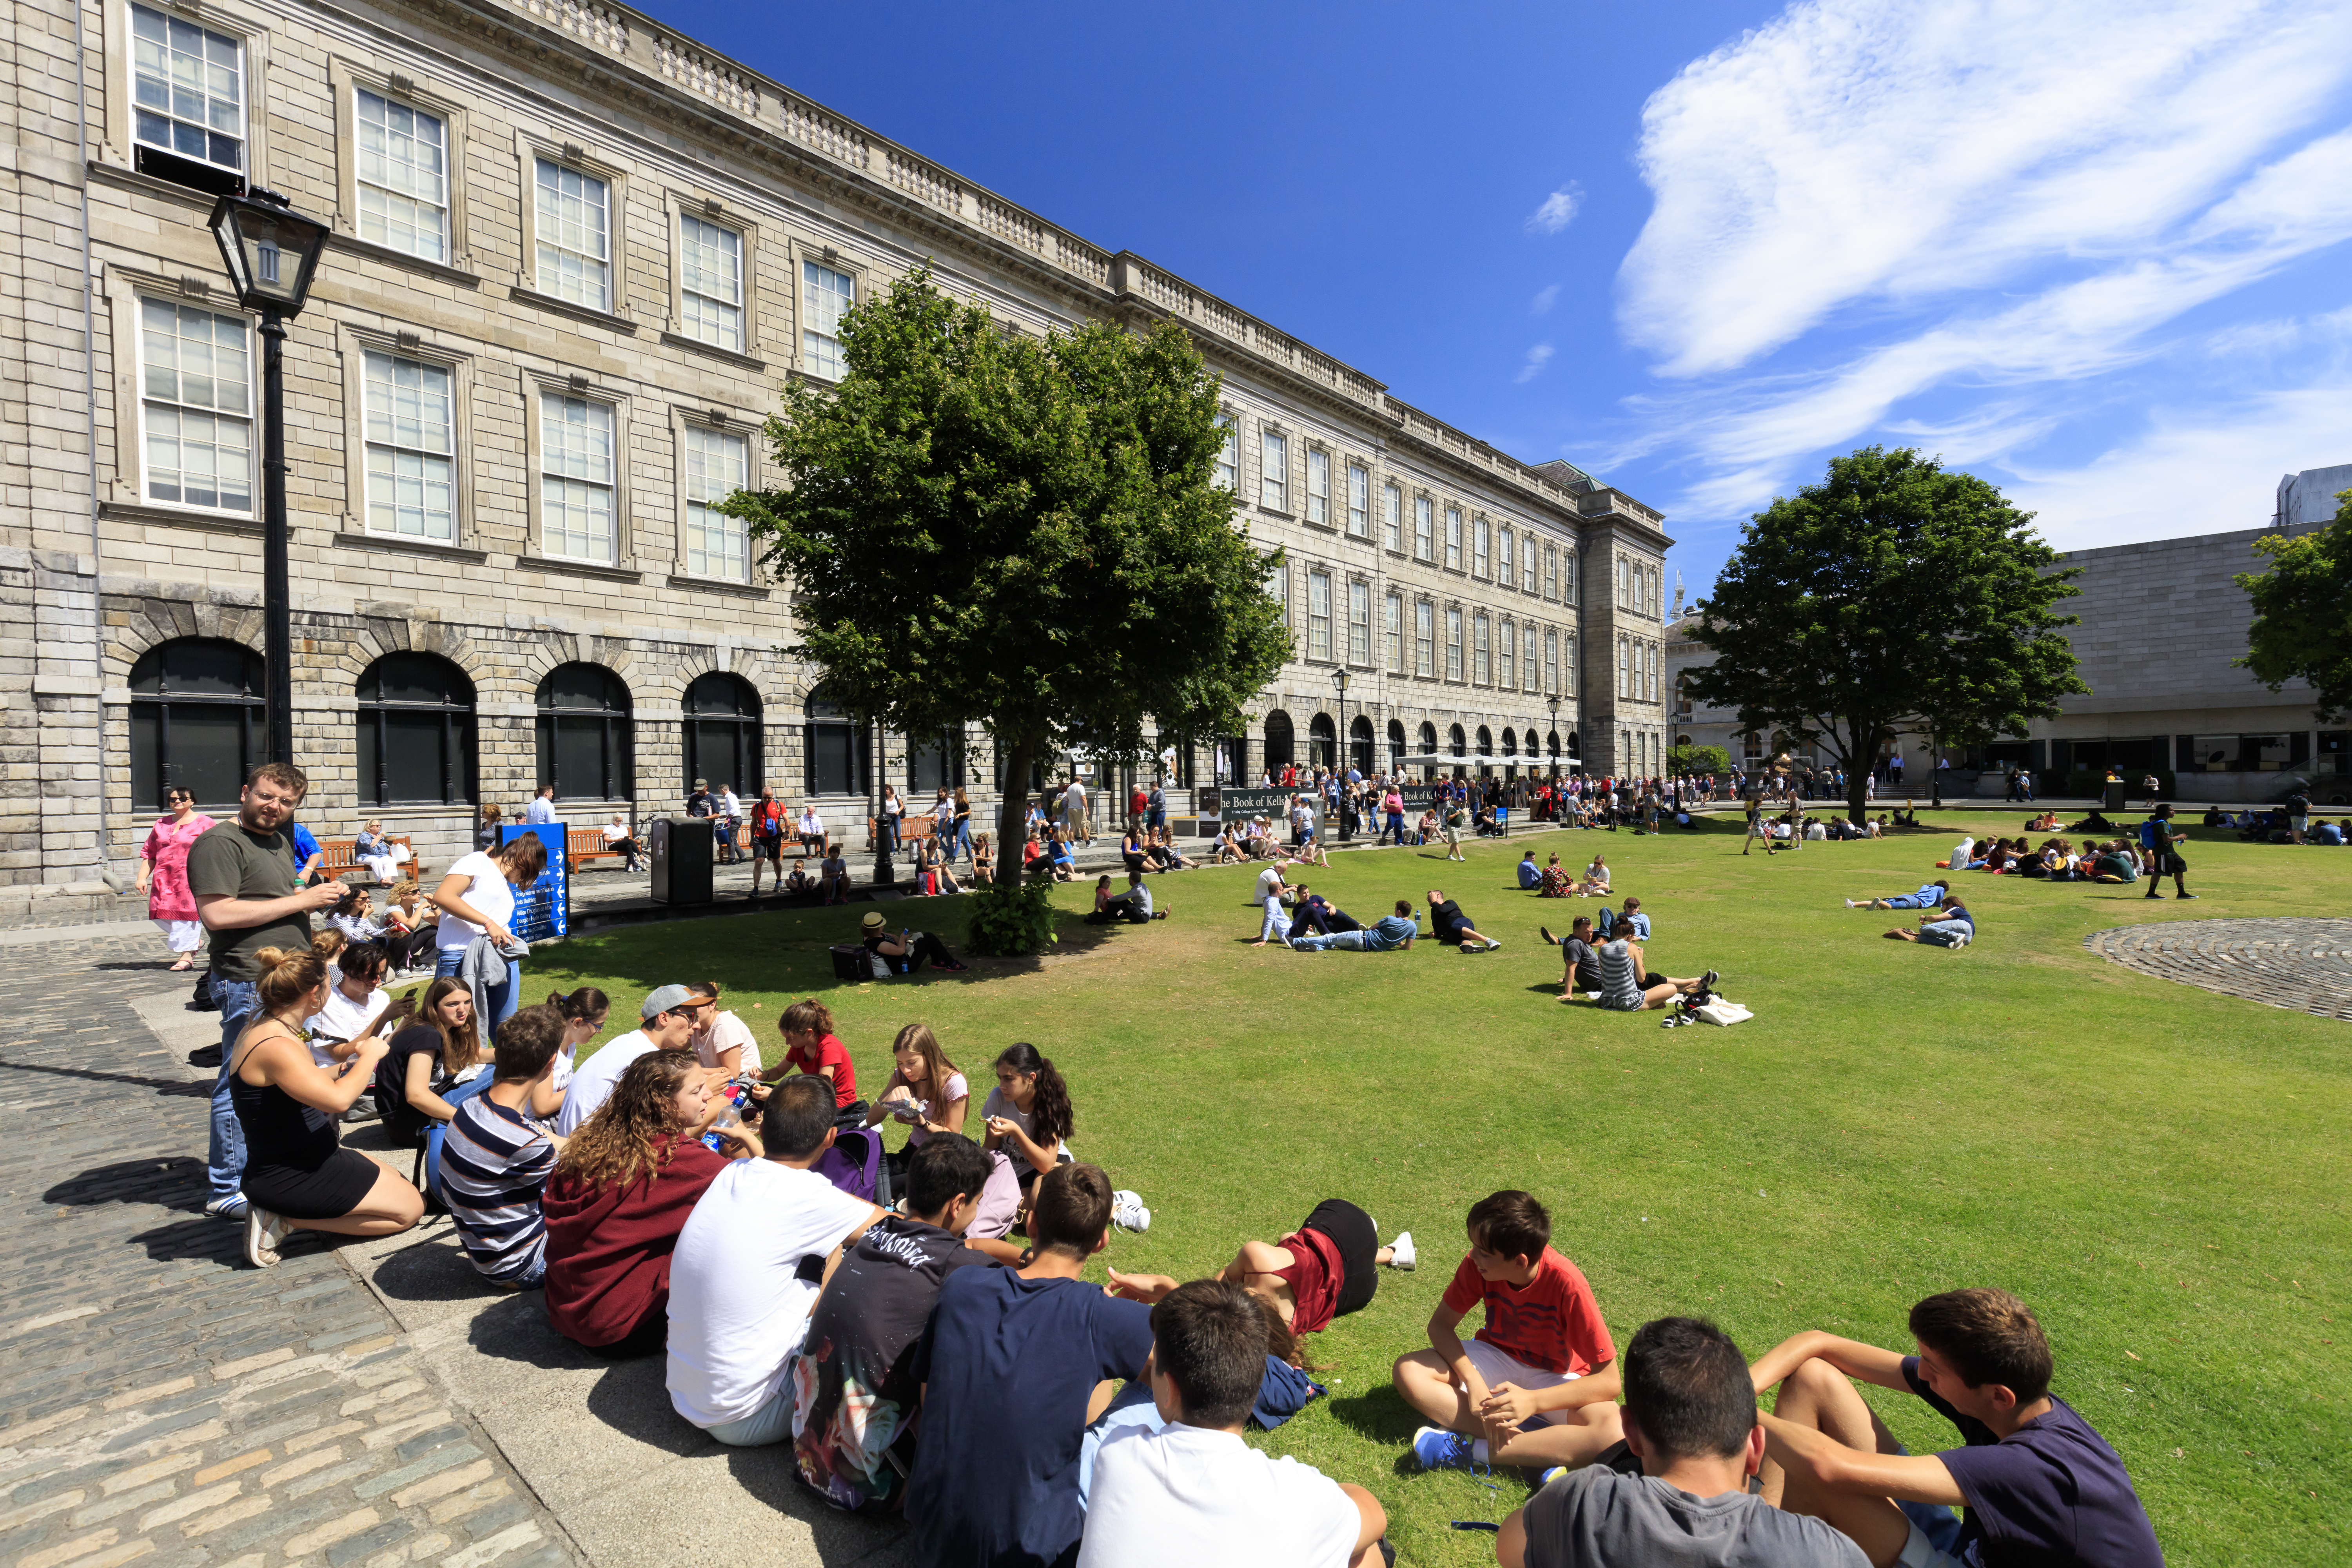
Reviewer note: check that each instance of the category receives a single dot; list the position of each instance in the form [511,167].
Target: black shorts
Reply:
[1650,980]
[2170,864]
[1351,1230]
[771,849]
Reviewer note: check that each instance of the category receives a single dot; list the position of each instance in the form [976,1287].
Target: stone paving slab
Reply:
[2301,964]
[161,1401]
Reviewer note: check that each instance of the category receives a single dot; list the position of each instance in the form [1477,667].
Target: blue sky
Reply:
[2095,253]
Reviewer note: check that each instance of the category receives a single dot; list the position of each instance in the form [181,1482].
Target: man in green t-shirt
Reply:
[249,895]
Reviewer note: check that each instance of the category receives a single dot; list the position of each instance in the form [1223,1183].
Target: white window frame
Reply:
[544,470]
[1453,538]
[818,352]
[1318,486]
[547,255]
[1531,665]
[144,405]
[1360,622]
[1424,528]
[172,113]
[1392,613]
[1273,469]
[1392,517]
[1479,529]
[1424,637]
[1551,572]
[1454,643]
[1624,669]
[1568,576]
[697,308]
[1482,632]
[1360,501]
[1506,572]
[390,195]
[695,516]
[1507,654]
[1319,616]
[1277,588]
[1227,474]
[1527,564]
[408,462]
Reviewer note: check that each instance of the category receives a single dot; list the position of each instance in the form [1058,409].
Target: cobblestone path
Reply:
[2303,964]
[161,1401]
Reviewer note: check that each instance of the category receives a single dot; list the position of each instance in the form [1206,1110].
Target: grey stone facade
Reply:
[106,557]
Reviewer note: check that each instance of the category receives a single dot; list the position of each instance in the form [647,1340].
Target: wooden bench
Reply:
[910,828]
[584,844]
[336,861]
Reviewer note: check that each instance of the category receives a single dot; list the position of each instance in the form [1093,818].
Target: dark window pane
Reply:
[370,793]
[208,749]
[416,678]
[722,695]
[580,759]
[926,768]
[147,756]
[414,764]
[714,752]
[829,759]
[583,686]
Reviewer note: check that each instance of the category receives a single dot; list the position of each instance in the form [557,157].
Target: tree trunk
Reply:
[1012,806]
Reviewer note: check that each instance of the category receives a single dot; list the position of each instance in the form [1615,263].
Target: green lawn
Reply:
[2150,1165]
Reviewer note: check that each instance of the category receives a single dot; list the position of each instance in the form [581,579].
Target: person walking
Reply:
[767,838]
[964,822]
[542,805]
[249,895]
[2159,844]
[893,810]
[1074,812]
[163,875]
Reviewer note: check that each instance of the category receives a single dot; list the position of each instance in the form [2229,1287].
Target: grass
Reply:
[2159,1170]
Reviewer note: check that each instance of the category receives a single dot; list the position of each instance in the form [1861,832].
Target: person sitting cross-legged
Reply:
[1531,874]
[1555,882]
[1192,1491]
[496,1160]
[1628,986]
[1929,896]
[1690,1420]
[1387,934]
[1449,925]
[1951,926]
[2039,1484]
[1580,959]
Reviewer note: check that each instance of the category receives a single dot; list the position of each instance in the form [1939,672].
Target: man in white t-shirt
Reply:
[1074,812]
[666,1023]
[747,1268]
[1192,1491]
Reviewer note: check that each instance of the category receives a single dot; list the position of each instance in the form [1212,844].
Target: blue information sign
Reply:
[543,909]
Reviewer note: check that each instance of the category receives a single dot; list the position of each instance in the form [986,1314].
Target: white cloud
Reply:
[1854,152]
[1543,299]
[1559,210]
[1537,357]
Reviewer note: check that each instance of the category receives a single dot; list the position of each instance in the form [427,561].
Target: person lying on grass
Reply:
[1390,934]
[1449,925]
[1539,1386]
[2040,1485]
[1691,1425]
[1929,896]
[1627,985]
[1327,1268]
[1951,926]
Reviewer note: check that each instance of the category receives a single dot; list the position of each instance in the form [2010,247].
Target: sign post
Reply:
[544,909]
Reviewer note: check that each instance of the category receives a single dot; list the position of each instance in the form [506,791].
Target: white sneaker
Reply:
[1126,1211]
[1852,905]
[1401,1251]
[1492,944]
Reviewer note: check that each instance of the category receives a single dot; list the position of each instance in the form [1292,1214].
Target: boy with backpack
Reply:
[2157,840]
[1539,1386]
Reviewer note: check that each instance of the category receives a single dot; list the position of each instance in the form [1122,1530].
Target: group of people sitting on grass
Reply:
[2153,852]
[1553,881]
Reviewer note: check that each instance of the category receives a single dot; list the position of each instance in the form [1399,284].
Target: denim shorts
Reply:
[1920,1552]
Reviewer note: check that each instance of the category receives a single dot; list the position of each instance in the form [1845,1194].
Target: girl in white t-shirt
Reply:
[477,898]
[922,1074]
[723,1040]
[356,1002]
[1028,1113]
[585,1012]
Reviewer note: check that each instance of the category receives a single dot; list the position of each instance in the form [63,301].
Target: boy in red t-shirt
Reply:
[1327,1268]
[810,1047]
[1539,1386]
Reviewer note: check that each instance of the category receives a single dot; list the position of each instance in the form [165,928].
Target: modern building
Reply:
[574,257]
[2160,623]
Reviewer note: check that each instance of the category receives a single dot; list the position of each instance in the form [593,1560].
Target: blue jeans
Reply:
[1395,829]
[436,1132]
[771,1422]
[1946,933]
[1345,940]
[503,1000]
[224,1160]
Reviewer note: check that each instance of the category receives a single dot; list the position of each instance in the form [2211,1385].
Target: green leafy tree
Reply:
[978,525]
[1893,594]
[2302,628]
[1698,760]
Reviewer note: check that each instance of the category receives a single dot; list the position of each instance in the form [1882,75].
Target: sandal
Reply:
[184,964]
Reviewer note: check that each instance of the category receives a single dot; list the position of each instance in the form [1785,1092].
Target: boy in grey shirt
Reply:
[1690,1420]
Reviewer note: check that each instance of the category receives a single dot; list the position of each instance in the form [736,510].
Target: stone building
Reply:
[575,256]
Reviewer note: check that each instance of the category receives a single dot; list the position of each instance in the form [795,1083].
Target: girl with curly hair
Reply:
[622,1190]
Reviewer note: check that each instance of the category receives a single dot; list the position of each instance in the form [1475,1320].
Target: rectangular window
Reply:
[1454,538]
[1274,471]
[195,406]
[1360,622]
[1453,642]
[576,236]
[400,167]
[710,283]
[1527,565]
[1649,672]
[1506,646]
[1504,571]
[1318,487]
[828,295]
[716,464]
[1552,662]
[1393,512]
[1529,669]
[187,87]
[1551,572]
[1479,670]
[1395,632]
[1478,548]
[1420,527]
[1319,615]
[1229,457]
[575,478]
[1421,613]
[1624,669]
[410,448]
[1625,600]
[1360,502]
[1277,588]
[1567,576]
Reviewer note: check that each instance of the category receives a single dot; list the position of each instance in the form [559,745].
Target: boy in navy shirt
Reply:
[2041,1489]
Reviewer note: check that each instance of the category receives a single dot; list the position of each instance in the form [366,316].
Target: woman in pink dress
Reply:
[163,875]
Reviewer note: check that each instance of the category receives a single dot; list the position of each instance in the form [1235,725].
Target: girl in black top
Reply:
[297,1175]
[425,1059]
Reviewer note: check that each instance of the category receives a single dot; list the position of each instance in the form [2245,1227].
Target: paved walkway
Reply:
[2302,964]
[160,1402]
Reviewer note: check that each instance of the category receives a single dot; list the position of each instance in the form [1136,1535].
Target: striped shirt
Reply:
[493,1164]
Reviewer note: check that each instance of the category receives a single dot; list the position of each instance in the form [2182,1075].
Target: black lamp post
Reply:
[886,871]
[1339,760]
[1554,702]
[272,251]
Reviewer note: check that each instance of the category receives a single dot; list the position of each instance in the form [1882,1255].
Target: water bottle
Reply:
[730,1116]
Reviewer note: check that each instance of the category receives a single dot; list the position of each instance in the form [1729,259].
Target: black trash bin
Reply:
[681,849]
[2114,796]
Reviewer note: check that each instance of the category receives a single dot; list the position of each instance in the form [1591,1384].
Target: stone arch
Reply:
[152,622]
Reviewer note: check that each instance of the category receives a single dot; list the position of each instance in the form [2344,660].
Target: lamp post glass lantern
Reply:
[271,252]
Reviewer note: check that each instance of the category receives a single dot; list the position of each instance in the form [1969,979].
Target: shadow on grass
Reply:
[1381,1415]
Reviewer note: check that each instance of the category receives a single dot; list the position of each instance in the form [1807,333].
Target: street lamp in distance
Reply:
[1554,702]
[1340,744]
[271,252]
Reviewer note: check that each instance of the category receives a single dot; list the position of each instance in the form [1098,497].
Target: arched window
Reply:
[1231,756]
[1278,741]
[415,733]
[1323,741]
[1429,740]
[934,761]
[199,713]
[1682,739]
[1396,744]
[587,743]
[1510,742]
[1553,739]
[1360,743]
[723,733]
[1458,741]
[834,748]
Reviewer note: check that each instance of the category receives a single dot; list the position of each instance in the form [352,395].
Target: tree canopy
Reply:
[1894,595]
[981,525]
[2302,628]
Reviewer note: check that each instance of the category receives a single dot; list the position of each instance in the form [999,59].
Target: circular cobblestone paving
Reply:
[2304,965]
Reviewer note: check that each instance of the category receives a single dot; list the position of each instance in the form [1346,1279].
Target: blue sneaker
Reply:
[1438,1450]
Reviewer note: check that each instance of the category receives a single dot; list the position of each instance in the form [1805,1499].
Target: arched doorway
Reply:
[1279,741]
[1396,745]
[1323,742]
[724,732]
[586,747]
[1360,743]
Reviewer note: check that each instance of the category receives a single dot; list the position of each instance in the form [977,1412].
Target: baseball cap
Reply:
[665,999]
